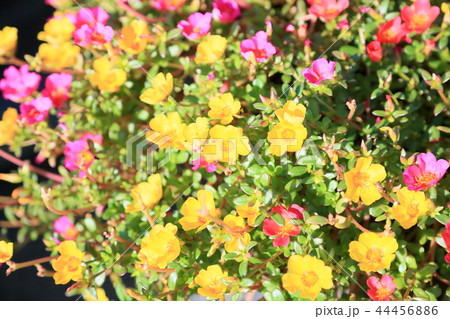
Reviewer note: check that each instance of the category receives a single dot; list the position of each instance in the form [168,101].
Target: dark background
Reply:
[29,17]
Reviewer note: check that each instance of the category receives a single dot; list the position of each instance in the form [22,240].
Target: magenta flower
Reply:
[327,9]
[381,290]
[165,5]
[65,228]
[446,237]
[201,162]
[426,173]
[57,87]
[226,11]
[258,46]
[90,17]
[78,154]
[19,84]
[343,24]
[196,26]
[97,35]
[321,70]
[35,110]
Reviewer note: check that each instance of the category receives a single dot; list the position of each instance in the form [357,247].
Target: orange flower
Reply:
[68,266]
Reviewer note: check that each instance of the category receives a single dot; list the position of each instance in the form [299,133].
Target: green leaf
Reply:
[172,281]
[443,219]
[341,205]
[317,220]
[254,260]
[278,219]
[426,271]
[298,171]
[243,268]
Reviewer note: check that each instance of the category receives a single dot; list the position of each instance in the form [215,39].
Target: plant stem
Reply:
[13,266]
[11,158]
[77,211]
[263,264]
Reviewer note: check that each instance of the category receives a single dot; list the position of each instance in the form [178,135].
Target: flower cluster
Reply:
[226,148]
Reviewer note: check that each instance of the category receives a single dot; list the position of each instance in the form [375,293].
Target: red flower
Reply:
[419,16]
[381,290]
[283,233]
[294,211]
[391,31]
[446,237]
[375,51]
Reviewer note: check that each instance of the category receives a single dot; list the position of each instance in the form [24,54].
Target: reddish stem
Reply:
[11,158]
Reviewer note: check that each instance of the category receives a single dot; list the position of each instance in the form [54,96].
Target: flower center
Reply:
[424,180]
[374,255]
[382,293]
[361,179]
[419,21]
[287,228]
[309,278]
[288,134]
[390,35]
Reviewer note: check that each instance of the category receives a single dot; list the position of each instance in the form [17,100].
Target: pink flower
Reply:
[90,17]
[201,162]
[381,290]
[258,46]
[290,28]
[19,84]
[65,228]
[211,76]
[196,26]
[35,110]
[446,237]
[308,43]
[343,24]
[419,16]
[57,87]
[391,32]
[327,9]
[79,156]
[167,5]
[427,173]
[283,232]
[96,35]
[226,11]
[294,211]
[321,70]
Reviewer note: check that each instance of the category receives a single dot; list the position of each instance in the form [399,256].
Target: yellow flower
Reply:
[134,37]
[286,137]
[160,247]
[57,31]
[196,133]
[292,113]
[146,194]
[226,143]
[373,252]
[223,108]
[59,56]
[196,212]
[101,295]
[211,282]
[412,206]
[361,181]
[105,77]
[6,251]
[68,265]
[167,131]
[161,88]
[210,50]
[308,275]
[237,225]
[8,40]
[249,212]
[8,126]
